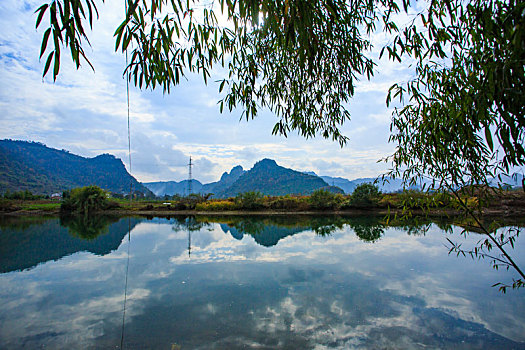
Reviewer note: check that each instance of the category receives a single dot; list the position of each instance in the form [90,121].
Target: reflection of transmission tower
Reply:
[189,223]
[189,176]
[189,244]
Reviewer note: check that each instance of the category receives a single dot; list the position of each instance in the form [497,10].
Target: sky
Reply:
[84,112]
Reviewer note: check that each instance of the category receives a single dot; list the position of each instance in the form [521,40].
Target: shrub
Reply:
[85,200]
[249,200]
[191,201]
[411,199]
[323,199]
[216,206]
[365,195]
[288,202]
[22,195]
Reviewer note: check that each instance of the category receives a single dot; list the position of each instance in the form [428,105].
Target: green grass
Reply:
[42,206]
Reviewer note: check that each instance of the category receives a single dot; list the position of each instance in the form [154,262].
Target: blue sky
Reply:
[85,112]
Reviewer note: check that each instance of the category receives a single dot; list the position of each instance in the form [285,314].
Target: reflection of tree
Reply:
[416,226]
[326,225]
[251,226]
[188,223]
[17,223]
[368,229]
[87,227]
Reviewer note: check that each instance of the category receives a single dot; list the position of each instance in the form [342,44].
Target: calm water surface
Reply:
[248,282]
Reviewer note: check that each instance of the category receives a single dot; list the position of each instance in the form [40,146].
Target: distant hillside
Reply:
[227,179]
[389,186]
[171,188]
[348,186]
[266,177]
[271,179]
[42,170]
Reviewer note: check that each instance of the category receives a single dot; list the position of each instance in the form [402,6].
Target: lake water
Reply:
[250,282]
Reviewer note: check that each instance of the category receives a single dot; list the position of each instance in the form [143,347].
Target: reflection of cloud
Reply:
[307,291]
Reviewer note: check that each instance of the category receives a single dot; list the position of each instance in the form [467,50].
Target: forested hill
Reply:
[37,168]
[271,179]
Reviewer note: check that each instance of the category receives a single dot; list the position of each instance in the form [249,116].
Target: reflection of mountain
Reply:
[24,249]
[266,235]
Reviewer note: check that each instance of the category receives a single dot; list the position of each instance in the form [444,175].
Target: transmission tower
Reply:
[189,177]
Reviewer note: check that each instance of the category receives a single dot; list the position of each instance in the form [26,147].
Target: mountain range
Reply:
[39,169]
[34,167]
[266,177]
[269,178]
[181,188]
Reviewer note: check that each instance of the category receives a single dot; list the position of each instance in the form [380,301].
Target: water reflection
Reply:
[268,230]
[28,242]
[87,227]
[263,283]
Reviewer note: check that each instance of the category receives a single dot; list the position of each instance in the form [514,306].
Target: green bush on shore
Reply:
[91,199]
[221,205]
[287,202]
[22,195]
[85,200]
[323,199]
[365,196]
[249,200]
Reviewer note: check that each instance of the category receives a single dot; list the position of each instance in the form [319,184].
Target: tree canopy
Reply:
[461,116]
[469,89]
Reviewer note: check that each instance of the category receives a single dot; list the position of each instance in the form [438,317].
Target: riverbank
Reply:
[506,212]
[504,204]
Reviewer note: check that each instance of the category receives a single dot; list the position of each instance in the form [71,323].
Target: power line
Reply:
[130,195]
[189,177]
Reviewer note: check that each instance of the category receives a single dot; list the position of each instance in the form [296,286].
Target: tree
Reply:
[323,199]
[469,85]
[468,90]
[249,200]
[85,200]
[285,56]
[365,195]
[300,58]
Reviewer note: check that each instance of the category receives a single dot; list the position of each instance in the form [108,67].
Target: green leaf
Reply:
[488,137]
[41,11]
[48,63]
[44,42]
[57,65]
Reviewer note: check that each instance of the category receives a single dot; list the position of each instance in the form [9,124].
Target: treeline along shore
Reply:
[366,199]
